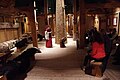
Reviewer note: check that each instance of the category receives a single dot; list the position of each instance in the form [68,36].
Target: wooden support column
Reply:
[45,9]
[31,21]
[75,21]
[82,24]
[60,29]
[70,24]
[52,24]
[119,24]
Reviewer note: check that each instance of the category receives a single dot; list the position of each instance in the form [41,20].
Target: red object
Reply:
[49,43]
[98,50]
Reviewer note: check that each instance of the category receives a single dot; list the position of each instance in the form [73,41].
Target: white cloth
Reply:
[46,35]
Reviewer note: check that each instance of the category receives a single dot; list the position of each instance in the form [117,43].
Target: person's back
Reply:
[98,50]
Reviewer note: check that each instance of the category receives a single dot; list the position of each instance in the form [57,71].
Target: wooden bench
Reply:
[17,52]
[97,69]
[4,57]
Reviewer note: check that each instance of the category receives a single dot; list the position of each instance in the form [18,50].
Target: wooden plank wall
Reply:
[7,34]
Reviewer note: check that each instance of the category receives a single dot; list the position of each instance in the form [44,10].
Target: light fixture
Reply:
[49,8]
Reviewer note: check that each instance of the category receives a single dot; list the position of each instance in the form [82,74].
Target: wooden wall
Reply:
[8,34]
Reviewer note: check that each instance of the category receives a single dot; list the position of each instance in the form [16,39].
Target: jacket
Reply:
[98,50]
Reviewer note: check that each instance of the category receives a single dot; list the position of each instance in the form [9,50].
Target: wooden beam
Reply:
[8,10]
[82,27]
[31,19]
[45,9]
[102,5]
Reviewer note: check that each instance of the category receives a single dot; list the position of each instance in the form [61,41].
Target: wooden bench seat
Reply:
[97,69]
[4,57]
[17,52]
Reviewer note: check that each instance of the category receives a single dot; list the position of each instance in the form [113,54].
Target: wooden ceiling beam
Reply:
[6,3]
[103,5]
[7,10]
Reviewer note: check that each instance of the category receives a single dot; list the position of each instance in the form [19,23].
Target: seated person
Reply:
[98,50]
[62,42]
[116,55]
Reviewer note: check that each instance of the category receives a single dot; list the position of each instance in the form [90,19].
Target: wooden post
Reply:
[75,21]
[82,24]
[60,29]
[31,21]
[45,9]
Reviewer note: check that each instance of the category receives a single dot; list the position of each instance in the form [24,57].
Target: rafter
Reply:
[7,3]
[103,5]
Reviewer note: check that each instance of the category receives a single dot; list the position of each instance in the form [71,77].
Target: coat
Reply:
[98,50]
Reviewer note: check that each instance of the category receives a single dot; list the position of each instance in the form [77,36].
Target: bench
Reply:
[6,50]
[4,57]
[19,63]
[97,69]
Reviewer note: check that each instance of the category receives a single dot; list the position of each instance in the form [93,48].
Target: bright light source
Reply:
[117,44]
[49,8]
[86,37]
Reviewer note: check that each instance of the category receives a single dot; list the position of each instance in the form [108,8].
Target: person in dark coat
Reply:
[108,47]
[117,53]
